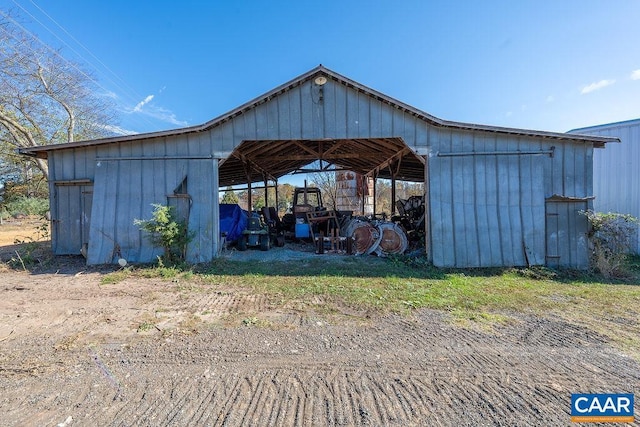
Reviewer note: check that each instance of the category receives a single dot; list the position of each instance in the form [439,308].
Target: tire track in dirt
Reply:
[221,303]
[395,371]
[330,396]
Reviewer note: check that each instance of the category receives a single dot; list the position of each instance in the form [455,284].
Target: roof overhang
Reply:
[597,141]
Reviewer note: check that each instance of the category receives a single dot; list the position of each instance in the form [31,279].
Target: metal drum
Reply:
[393,239]
[366,236]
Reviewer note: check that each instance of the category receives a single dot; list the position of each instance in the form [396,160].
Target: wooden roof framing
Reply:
[381,157]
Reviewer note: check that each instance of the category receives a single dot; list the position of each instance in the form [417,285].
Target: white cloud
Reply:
[550,99]
[118,130]
[635,75]
[163,115]
[596,86]
[110,94]
[156,112]
[142,103]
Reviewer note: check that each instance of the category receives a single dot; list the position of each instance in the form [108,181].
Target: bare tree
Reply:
[45,99]
[328,185]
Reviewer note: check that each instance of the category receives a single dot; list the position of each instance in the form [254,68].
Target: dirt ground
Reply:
[150,352]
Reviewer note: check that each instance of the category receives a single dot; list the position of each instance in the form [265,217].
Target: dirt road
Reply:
[154,353]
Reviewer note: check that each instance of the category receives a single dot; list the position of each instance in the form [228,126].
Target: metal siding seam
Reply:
[497,153]
[375,111]
[501,178]
[139,172]
[284,118]
[468,223]
[364,128]
[306,111]
[450,218]
[516,210]
[435,176]
[427,219]
[492,196]
[98,212]
[330,108]
[483,247]
[525,213]
[215,212]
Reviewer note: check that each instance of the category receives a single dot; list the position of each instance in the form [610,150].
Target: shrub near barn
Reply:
[611,237]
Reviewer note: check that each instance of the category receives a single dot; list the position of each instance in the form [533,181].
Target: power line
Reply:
[69,63]
[125,85]
[59,38]
[16,23]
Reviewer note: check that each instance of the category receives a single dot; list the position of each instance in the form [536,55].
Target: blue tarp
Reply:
[233,220]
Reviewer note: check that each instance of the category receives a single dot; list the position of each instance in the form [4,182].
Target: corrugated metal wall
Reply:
[567,227]
[616,174]
[484,210]
[126,189]
[488,210]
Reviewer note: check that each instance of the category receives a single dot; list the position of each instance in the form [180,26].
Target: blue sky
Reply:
[550,65]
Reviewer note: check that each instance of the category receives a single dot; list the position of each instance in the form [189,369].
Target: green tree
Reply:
[230,197]
[285,197]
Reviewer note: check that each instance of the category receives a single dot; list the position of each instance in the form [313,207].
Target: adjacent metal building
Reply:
[495,196]
[616,172]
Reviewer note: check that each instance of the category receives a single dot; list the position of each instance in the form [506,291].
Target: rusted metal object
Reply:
[393,239]
[365,235]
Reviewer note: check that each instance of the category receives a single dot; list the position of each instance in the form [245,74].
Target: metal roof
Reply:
[275,158]
[624,123]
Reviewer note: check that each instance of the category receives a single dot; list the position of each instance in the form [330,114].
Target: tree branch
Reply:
[67,108]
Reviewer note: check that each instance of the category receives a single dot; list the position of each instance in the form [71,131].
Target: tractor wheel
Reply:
[264,242]
[242,243]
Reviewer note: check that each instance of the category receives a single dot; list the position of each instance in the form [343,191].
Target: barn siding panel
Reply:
[375,118]
[102,239]
[122,194]
[616,184]
[484,210]
[496,206]
[339,101]
[306,111]
[364,112]
[480,191]
[67,219]
[352,114]
[262,124]
[284,119]
[502,211]
[386,120]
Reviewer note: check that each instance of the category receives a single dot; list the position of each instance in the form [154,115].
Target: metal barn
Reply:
[616,177]
[495,196]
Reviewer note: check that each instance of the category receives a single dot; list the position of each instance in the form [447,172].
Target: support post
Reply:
[375,193]
[266,191]
[365,188]
[393,193]
[276,190]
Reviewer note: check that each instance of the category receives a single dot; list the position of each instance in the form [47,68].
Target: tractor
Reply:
[256,234]
[305,199]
